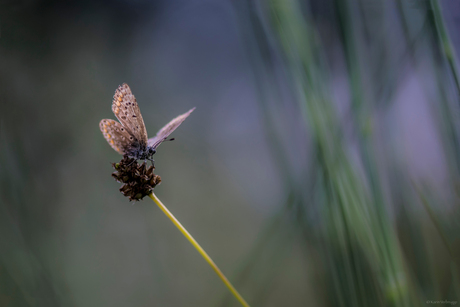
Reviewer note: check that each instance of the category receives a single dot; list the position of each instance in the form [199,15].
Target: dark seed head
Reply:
[138,180]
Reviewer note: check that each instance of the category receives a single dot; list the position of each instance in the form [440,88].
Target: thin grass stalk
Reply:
[199,249]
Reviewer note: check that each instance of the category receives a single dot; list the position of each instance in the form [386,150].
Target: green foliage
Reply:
[366,224]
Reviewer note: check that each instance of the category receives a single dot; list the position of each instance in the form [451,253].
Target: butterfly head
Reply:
[151,151]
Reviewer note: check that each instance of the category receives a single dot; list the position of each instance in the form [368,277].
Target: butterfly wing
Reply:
[126,109]
[116,135]
[167,130]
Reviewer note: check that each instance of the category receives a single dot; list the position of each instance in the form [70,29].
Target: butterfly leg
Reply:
[132,162]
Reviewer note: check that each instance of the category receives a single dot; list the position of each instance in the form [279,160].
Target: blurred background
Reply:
[320,167]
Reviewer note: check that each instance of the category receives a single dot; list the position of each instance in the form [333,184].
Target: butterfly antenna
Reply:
[171,139]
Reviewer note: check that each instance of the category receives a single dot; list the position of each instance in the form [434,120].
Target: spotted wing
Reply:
[167,130]
[126,109]
[116,135]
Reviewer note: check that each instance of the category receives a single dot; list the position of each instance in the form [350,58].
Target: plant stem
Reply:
[199,249]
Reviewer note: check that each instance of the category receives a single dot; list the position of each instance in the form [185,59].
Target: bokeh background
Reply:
[320,167]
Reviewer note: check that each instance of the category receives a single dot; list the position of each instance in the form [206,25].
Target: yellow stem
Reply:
[199,249]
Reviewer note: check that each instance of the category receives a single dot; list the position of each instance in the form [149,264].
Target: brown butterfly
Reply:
[129,136]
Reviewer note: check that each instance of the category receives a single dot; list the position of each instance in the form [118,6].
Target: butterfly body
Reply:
[145,153]
[129,136]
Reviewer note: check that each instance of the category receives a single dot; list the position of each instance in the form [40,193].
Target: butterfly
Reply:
[129,136]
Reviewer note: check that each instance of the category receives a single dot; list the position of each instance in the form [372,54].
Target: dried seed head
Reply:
[138,180]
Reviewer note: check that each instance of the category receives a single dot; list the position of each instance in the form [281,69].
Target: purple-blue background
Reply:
[320,167]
